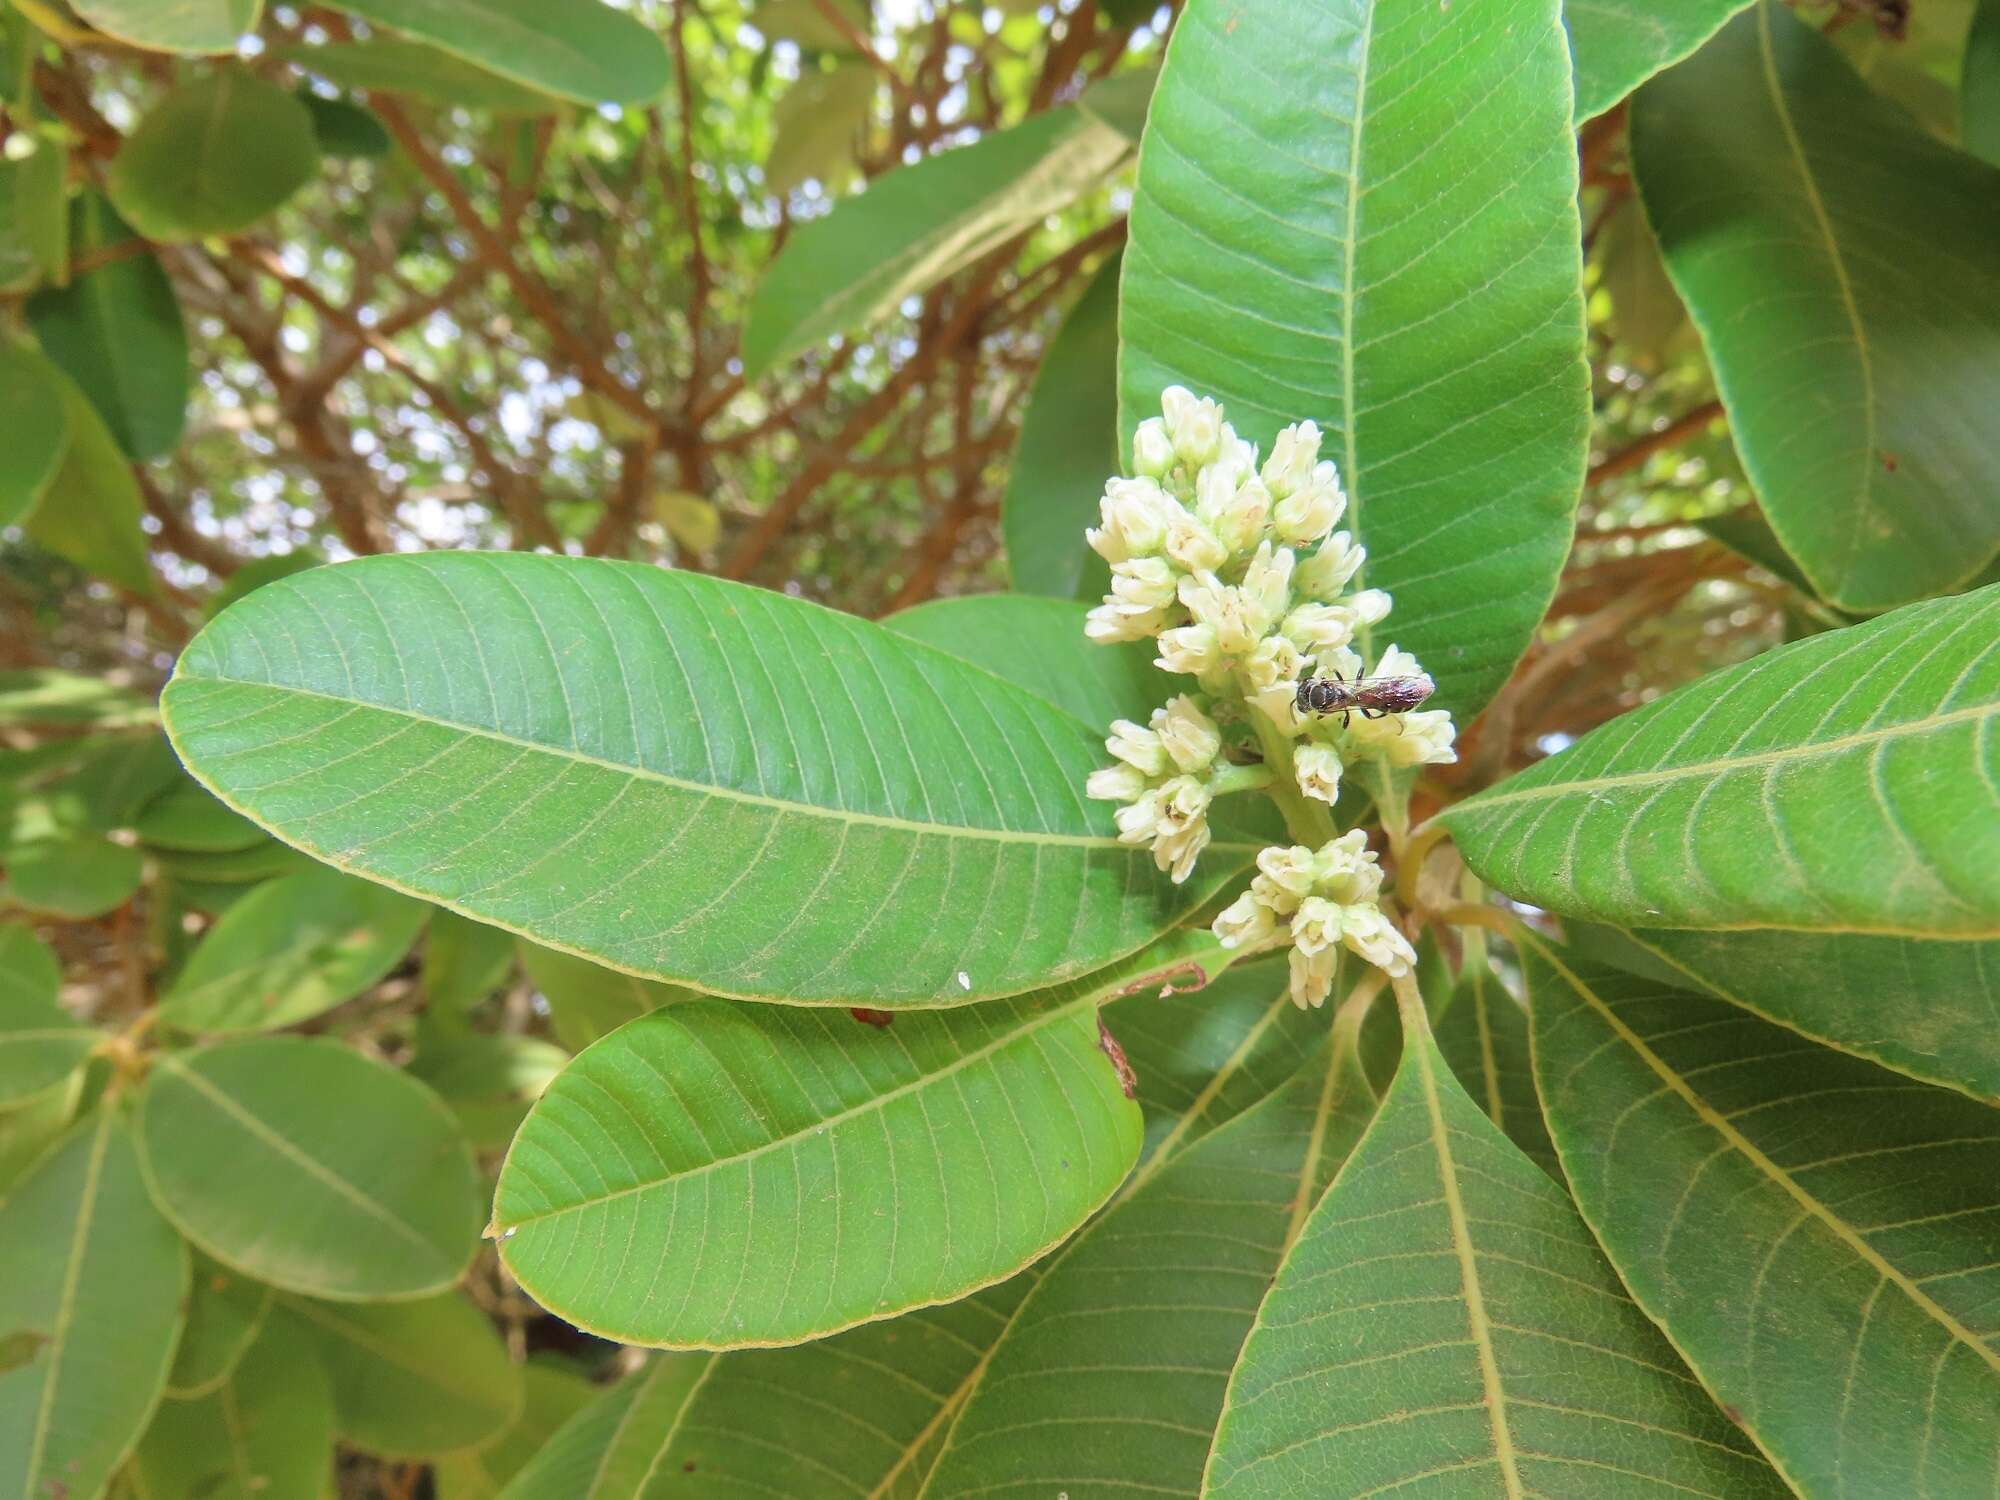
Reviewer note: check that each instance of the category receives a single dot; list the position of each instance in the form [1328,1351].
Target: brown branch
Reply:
[1633,454]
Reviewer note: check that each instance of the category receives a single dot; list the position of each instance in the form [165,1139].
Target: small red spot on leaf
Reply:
[1889,461]
[869,1017]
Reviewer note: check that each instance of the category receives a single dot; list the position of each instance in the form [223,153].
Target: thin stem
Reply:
[1308,821]
[1240,779]
[1410,861]
[1475,914]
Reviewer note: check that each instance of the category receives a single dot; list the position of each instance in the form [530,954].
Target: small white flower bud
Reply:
[1191,544]
[1120,783]
[1112,622]
[1181,825]
[1307,514]
[1190,736]
[1345,869]
[1134,512]
[1369,934]
[1152,449]
[1290,466]
[1371,607]
[1238,622]
[1320,627]
[1144,582]
[1268,580]
[1243,520]
[1190,649]
[1138,747]
[1196,423]
[1312,978]
[1316,925]
[1327,571]
[1245,923]
[1276,663]
[1175,402]
[1289,870]
[1413,739]
[1318,770]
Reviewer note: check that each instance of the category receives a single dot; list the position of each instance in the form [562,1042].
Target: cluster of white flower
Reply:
[1236,570]
[1326,898]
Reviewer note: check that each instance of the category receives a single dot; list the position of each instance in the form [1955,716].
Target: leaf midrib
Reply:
[86,1212]
[704,789]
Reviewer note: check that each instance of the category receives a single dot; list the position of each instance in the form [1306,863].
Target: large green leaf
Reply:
[464,962]
[264,1433]
[225,1313]
[1110,1376]
[584,51]
[1780,187]
[183,26]
[1815,1234]
[1444,1325]
[292,949]
[412,1379]
[35,418]
[91,1282]
[116,331]
[916,225]
[30,1127]
[716,1175]
[1618,44]
[389,64]
[40,1043]
[304,1164]
[718,784]
[187,819]
[817,126]
[1402,269]
[1484,1036]
[213,157]
[553,1395]
[76,878]
[1068,448]
[1845,783]
[614,1447]
[587,1000]
[90,510]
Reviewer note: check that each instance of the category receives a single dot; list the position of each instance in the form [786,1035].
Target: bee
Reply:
[1373,697]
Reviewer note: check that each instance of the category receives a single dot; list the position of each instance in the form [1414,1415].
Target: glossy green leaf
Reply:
[188,818]
[1404,271]
[389,64]
[1039,644]
[305,1164]
[1710,806]
[91,1284]
[817,126]
[213,157]
[553,1395]
[1444,1325]
[1484,1036]
[716,1175]
[1111,1374]
[35,418]
[44,696]
[116,331]
[489,1081]
[1764,162]
[1618,44]
[1815,1234]
[919,834]
[76,878]
[1068,448]
[343,128]
[40,1043]
[587,1000]
[412,1379]
[917,225]
[180,26]
[1979,85]
[265,1432]
[291,950]
[226,1311]
[90,510]
[586,51]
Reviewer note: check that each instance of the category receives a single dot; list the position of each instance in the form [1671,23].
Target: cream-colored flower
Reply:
[1134,514]
[1152,449]
[1312,510]
[1290,466]
[1270,677]
[1328,571]
[1312,977]
[1191,544]
[1119,783]
[1113,621]
[1195,423]
[1371,607]
[1181,831]
[1321,627]
[1318,770]
[1237,619]
[1144,583]
[1371,936]
[1189,648]
[1245,923]
[1316,925]
[1242,520]
[1191,737]
[1345,870]
[1268,581]
[1422,738]
[1289,869]
[1138,746]
[1139,820]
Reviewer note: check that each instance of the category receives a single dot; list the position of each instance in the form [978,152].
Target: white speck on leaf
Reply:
[964,980]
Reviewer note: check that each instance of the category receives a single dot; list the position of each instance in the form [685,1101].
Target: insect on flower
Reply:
[1374,697]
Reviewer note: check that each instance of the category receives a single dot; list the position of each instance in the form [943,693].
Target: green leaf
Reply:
[388,64]
[305,1164]
[290,950]
[816,126]
[1814,1234]
[343,128]
[464,962]
[1444,1323]
[183,26]
[41,1044]
[1484,1036]
[116,331]
[785,1173]
[265,1433]
[35,418]
[28,1128]
[586,52]
[587,1000]
[918,224]
[1403,270]
[1618,44]
[1764,163]
[1121,101]
[413,1379]
[603,1453]
[489,1081]
[1039,645]
[553,1396]
[1068,448]
[916,833]
[1709,807]
[225,1314]
[1979,85]
[44,696]
[1111,1374]
[213,157]
[75,878]
[91,1282]
[34,213]
[803,22]
[186,817]
[90,511]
